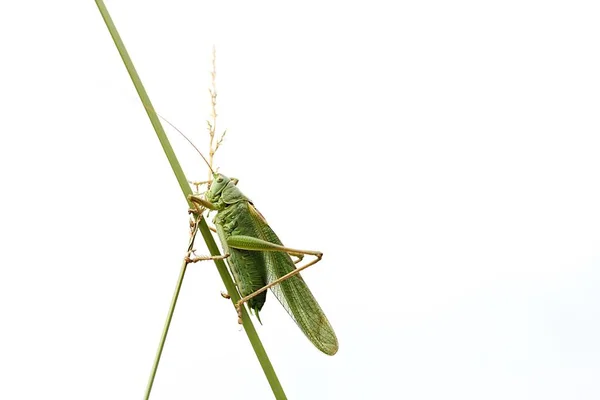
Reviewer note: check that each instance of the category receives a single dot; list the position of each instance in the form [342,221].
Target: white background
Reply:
[443,156]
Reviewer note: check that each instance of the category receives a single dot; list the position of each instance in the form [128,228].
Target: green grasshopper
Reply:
[259,261]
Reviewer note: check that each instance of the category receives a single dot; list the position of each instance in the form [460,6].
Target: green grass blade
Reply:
[205,232]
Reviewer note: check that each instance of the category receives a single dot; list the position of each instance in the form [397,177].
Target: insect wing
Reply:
[293,293]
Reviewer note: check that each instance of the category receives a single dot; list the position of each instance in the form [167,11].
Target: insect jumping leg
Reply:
[252,243]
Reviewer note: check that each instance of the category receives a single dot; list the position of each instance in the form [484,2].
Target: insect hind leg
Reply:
[252,243]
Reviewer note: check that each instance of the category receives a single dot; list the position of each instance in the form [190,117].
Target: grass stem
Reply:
[203,228]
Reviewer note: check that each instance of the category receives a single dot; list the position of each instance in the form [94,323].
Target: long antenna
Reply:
[189,141]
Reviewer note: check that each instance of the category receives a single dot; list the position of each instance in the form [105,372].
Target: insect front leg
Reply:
[194,221]
[195,214]
[197,185]
[200,206]
[198,210]
[199,202]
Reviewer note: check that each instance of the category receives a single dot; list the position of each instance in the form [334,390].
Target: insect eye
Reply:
[220,180]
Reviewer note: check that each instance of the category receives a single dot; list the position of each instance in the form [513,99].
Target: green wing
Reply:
[293,294]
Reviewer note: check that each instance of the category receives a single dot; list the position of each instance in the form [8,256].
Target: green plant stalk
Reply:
[205,232]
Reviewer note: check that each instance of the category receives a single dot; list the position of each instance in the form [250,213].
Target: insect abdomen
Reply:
[248,267]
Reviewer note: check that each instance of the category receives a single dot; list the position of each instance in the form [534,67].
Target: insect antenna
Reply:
[189,141]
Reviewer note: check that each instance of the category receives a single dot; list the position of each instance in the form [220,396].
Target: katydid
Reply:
[259,261]
[256,257]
